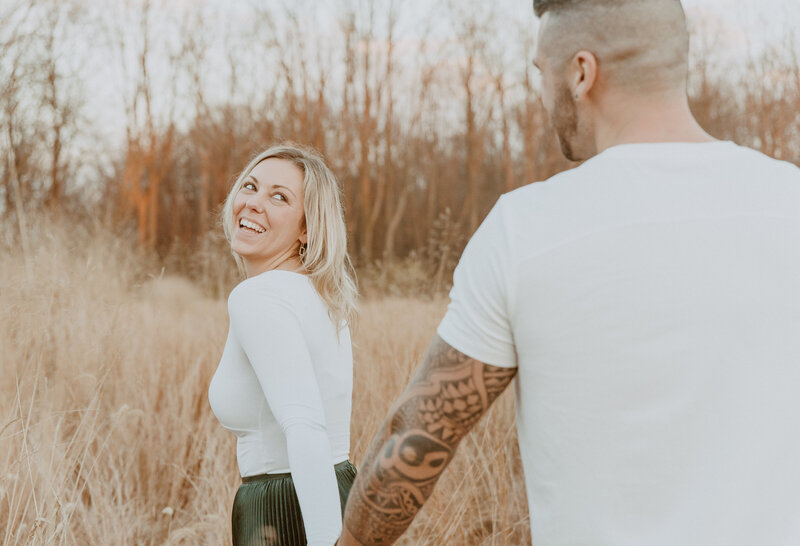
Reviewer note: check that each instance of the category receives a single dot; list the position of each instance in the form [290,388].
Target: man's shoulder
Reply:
[562,186]
[777,178]
[761,159]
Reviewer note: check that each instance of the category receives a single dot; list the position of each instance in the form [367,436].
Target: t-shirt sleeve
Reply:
[271,336]
[477,319]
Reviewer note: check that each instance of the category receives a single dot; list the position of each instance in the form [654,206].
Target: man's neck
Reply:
[656,118]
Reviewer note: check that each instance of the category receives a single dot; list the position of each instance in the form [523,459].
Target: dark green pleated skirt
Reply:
[266,511]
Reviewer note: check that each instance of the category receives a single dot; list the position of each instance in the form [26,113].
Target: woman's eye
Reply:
[280,197]
[249,186]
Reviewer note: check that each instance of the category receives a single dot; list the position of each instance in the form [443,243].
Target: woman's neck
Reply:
[291,263]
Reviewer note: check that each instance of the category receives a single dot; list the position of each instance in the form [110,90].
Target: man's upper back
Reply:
[651,300]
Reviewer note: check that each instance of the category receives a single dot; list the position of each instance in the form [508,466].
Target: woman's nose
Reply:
[255,203]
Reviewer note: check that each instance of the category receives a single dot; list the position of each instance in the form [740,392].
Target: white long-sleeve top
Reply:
[284,387]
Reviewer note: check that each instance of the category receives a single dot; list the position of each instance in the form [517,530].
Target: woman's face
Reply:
[268,217]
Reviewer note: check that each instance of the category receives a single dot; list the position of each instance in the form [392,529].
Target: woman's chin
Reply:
[242,249]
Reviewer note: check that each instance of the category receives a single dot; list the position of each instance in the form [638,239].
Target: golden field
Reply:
[106,435]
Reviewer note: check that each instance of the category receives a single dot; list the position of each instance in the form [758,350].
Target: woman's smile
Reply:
[251,227]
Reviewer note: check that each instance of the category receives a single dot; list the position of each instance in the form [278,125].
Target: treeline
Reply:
[139,117]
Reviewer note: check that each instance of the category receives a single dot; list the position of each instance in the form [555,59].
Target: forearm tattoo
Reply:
[418,439]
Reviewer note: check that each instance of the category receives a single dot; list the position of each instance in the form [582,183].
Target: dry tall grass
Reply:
[106,436]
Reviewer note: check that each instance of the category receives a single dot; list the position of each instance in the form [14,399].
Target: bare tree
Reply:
[150,137]
[408,167]
[386,177]
[60,98]
[472,30]
[16,76]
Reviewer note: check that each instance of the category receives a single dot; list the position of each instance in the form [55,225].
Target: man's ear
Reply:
[583,74]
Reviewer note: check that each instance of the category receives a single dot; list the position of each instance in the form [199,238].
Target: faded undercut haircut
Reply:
[639,44]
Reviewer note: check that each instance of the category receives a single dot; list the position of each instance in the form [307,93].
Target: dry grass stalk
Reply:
[106,436]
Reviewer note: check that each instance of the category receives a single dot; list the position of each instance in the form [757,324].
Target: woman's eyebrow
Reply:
[285,188]
[273,186]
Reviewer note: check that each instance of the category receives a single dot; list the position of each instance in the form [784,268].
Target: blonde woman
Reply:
[284,381]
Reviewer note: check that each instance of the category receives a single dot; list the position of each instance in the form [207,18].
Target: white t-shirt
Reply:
[650,299]
[284,386]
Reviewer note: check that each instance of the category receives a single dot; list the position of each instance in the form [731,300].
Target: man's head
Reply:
[591,50]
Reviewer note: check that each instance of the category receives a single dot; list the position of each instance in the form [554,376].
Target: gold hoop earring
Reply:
[302,251]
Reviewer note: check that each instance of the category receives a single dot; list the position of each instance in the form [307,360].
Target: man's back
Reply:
[651,301]
[648,303]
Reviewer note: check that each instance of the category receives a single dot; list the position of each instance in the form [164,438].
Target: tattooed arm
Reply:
[418,439]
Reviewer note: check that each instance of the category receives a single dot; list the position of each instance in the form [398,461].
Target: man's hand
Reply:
[417,440]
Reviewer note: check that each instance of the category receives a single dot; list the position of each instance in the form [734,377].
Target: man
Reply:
[648,302]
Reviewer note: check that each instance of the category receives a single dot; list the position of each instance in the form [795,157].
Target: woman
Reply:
[284,381]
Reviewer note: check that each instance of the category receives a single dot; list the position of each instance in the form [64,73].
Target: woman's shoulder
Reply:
[277,287]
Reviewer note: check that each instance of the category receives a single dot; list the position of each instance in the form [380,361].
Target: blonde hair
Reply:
[326,259]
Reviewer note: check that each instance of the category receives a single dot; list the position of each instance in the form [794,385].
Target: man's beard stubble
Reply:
[565,121]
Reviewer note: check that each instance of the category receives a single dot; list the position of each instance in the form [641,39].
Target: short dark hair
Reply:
[540,7]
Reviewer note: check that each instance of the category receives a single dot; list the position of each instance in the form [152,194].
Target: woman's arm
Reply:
[271,336]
